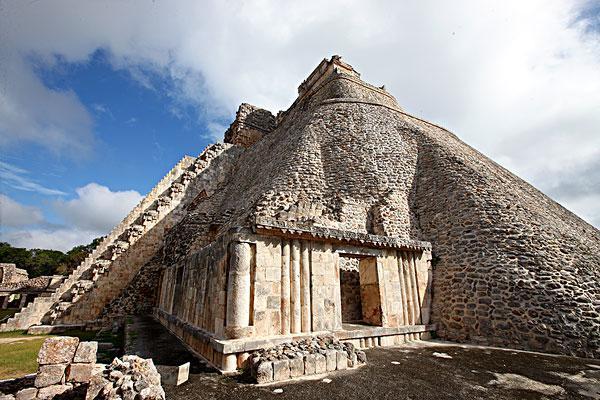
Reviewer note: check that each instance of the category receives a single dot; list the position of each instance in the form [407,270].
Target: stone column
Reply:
[23,301]
[285,287]
[5,302]
[305,283]
[408,289]
[238,291]
[295,282]
[415,291]
[404,312]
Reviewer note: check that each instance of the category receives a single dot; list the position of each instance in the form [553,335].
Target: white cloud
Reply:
[97,208]
[17,178]
[56,239]
[15,214]
[518,80]
[93,213]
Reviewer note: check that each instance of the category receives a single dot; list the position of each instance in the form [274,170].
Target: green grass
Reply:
[19,358]
[12,334]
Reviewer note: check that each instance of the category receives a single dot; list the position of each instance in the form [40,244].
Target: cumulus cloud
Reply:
[518,80]
[15,214]
[97,208]
[57,239]
[93,213]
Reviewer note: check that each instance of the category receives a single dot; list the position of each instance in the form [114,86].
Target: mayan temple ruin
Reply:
[342,215]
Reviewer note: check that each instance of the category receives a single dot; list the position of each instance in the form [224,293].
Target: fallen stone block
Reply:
[296,367]
[26,394]
[86,352]
[342,360]
[281,370]
[174,375]
[49,375]
[320,364]
[52,391]
[79,372]
[352,360]
[264,372]
[309,364]
[58,350]
[331,359]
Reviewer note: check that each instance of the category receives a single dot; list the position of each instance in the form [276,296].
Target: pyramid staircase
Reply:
[162,199]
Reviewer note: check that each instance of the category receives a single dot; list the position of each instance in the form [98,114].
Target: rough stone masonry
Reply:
[342,215]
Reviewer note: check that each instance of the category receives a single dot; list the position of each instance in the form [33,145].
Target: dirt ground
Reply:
[421,370]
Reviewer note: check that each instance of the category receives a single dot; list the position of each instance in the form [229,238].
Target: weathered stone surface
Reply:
[96,384]
[341,360]
[309,364]
[86,352]
[56,350]
[296,367]
[26,394]
[331,360]
[281,370]
[320,364]
[79,372]
[131,377]
[51,374]
[52,391]
[264,372]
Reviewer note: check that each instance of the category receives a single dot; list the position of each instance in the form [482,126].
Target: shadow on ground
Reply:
[421,370]
[424,370]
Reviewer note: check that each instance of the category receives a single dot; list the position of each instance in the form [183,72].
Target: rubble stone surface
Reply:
[57,350]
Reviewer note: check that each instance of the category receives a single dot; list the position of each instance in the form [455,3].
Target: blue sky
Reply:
[139,132]
[100,99]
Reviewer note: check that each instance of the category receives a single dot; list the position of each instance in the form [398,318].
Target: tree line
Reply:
[38,262]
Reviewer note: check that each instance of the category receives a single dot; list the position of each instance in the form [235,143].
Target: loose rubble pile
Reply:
[129,378]
[309,356]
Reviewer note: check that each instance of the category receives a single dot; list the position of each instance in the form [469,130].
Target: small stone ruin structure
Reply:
[68,369]
[17,290]
[343,216]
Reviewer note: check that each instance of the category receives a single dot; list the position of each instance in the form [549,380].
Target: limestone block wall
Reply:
[248,288]
[195,290]
[261,286]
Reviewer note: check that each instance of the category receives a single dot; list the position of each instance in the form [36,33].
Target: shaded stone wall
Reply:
[350,291]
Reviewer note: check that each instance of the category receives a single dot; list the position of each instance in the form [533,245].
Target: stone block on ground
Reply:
[342,360]
[52,391]
[26,394]
[352,360]
[86,352]
[264,372]
[58,350]
[174,375]
[331,360]
[296,367]
[281,370]
[49,375]
[320,364]
[309,364]
[79,372]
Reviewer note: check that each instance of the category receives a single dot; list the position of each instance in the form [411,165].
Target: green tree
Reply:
[38,262]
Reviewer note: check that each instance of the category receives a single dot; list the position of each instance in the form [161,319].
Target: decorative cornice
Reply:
[265,224]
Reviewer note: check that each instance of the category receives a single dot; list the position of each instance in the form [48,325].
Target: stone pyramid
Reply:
[511,267]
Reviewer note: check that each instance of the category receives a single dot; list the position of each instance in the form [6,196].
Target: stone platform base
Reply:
[46,329]
[230,355]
